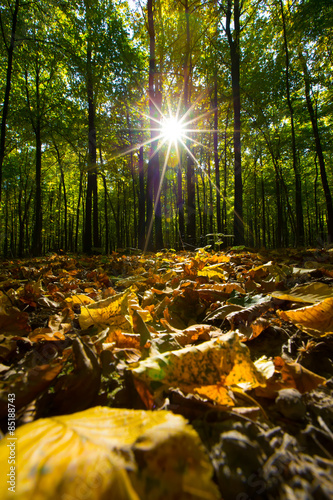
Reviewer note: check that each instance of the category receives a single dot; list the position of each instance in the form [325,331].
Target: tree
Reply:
[10,46]
[153,175]
[233,13]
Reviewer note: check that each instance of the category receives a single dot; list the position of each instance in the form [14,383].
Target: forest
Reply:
[165,124]
[166,249]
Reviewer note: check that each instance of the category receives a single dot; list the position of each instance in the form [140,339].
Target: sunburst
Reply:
[174,131]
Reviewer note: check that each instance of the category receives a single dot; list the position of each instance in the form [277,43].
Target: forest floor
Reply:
[79,332]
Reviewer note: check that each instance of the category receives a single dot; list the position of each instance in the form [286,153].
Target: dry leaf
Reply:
[109,453]
[208,369]
[112,312]
[316,320]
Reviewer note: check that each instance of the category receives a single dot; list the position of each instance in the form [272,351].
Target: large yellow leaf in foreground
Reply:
[107,454]
[317,320]
[208,369]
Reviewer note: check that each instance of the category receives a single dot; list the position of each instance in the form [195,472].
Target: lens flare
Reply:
[172,130]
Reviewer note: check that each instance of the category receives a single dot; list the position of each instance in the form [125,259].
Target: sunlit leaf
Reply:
[45,334]
[316,319]
[315,292]
[79,299]
[288,375]
[112,311]
[214,271]
[109,453]
[219,363]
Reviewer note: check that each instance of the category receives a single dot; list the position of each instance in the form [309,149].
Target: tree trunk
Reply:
[153,173]
[298,183]
[91,234]
[78,213]
[190,174]
[216,158]
[5,108]
[235,79]
[319,151]
[142,226]
[180,207]
[263,209]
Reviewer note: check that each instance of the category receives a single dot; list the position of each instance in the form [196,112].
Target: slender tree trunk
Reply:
[180,207]
[319,151]
[106,215]
[216,158]
[255,204]
[225,175]
[235,79]
[78,212]
[37,232]
[91,234]
[298,183]
[153,174]
[62,177]
[263,209]
[190,174]
[5,108]
[142,226]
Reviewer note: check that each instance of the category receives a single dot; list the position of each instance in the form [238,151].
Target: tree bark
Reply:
[141,223]
[5,108]
[216,159]
[91,234]
[235,81]
[153,199]
[319,151]
[190,174]
[298,183]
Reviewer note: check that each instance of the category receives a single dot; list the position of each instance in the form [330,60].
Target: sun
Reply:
[172,130]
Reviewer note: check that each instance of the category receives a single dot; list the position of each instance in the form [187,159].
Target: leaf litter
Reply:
[237,346]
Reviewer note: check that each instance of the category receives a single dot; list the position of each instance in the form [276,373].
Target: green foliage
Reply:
[49,89]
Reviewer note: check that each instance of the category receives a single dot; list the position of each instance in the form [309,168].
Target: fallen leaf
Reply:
[208,369]
[77,390]
[12,320]
[316,320]
[79,299]
[288,375]
[112,312]
[30,384]
[45,334]
[109,453]
[315,292]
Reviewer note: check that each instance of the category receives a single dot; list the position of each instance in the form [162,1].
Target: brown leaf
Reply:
[30,384]
[289,375]
[12,320]
[316,319]
[76,391]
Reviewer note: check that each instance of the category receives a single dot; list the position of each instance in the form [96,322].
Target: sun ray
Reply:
[175,130]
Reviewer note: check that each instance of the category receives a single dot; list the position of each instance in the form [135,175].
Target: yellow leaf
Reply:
[112,311]
[315,292]
[220,362]
[105,453]
[214,271]
[80,299]
[316,319]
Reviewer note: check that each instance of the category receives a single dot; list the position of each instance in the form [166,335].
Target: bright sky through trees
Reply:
[172,130]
